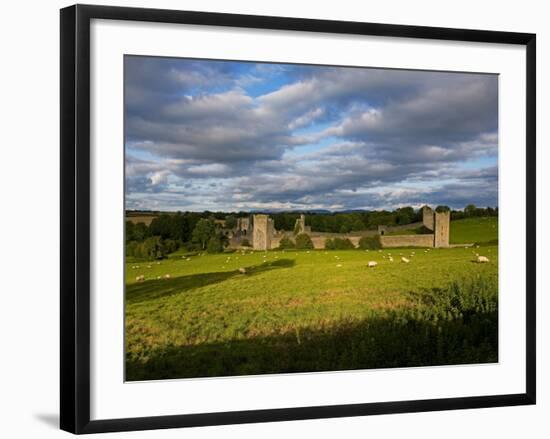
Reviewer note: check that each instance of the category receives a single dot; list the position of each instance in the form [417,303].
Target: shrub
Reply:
[286,243]
[245,243]
[343,244]
[370,243]
[150,248]
[339,244]
[170,246]
[303,241]
[214,245]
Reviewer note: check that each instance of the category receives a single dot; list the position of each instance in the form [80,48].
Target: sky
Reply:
[242,136]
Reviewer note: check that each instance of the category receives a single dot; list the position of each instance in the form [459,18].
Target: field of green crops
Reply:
[197,315]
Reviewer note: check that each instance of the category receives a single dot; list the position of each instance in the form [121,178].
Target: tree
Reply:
[203,231]
[370,243]
[470,210]
[214,245]
[442,208]
[230,222]
[136,232]
[404,215]
[342,244]
[285,243]
[303,241]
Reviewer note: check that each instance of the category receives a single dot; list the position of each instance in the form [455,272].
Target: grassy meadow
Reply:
[314,310]
[482,230]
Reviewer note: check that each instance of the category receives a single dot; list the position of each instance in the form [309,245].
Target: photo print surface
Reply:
[285,218]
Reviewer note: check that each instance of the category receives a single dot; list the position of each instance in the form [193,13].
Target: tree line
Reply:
[208,231]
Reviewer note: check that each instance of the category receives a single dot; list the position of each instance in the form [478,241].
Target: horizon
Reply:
[237,136]
[305,211]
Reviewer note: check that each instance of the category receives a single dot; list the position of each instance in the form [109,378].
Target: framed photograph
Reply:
[268,219]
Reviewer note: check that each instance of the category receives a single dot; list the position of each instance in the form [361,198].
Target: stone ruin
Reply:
[300,226]
[260,230]
[243,227]
[263,231]
[439,223]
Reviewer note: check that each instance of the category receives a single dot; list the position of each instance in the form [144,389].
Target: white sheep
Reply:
[338,265]
[390,259]
[242,270]
[166,276]
[482,259]
[405,260]
[372,264]
[140,278]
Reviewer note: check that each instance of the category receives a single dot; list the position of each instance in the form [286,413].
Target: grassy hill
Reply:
[474,230]
[309,311]
[483,230]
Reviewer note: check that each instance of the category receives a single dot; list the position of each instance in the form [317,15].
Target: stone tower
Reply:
[428,217]
[442,229]
[262,232]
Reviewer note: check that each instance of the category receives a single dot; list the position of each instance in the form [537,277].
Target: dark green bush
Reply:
[343,244]
[285,243]
[151,248]
[214,245]
[370,243]
[303,241]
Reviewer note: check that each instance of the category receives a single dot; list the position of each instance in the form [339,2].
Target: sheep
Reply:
[140,278]
[405,260]
[166,276]
[372,264]
[242,270]
[390,259]
[482,259]
[338,265]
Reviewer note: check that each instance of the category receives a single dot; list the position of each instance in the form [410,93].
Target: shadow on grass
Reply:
[395,339]
[156,288]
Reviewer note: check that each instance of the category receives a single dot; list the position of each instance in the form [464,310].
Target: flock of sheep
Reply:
[371,264]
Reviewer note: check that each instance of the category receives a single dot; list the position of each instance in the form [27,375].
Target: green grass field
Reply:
[465,231]
[474,230]
[311,311]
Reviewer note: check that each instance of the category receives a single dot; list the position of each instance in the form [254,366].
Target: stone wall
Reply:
[318,239]
[407,241]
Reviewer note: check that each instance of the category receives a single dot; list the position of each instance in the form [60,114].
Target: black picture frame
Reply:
[75,217]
